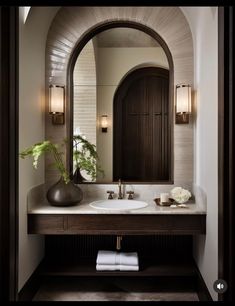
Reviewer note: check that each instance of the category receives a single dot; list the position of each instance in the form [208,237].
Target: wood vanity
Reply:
[69,236]
[162,236]
[117,224]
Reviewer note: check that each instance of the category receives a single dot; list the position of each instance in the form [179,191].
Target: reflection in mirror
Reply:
[122,75]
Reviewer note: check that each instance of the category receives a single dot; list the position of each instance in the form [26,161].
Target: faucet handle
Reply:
[110,192]
[130,194]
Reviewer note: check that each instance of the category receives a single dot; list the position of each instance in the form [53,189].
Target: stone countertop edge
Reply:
[37,204]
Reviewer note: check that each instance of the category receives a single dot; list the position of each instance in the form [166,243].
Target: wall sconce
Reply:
[183,103]
[56,103]
[104,123]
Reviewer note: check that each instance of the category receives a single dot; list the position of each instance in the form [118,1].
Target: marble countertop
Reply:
[37,204]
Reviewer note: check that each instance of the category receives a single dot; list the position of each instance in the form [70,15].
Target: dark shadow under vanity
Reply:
[165,261]
[164,244]
[75,255]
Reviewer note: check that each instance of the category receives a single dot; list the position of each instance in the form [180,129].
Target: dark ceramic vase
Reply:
[77,177]
[61,194]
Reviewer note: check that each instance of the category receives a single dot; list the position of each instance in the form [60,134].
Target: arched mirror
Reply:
[122,105]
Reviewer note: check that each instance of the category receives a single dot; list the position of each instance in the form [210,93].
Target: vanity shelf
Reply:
[151,267]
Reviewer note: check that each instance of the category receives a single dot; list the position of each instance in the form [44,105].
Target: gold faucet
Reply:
[120,193]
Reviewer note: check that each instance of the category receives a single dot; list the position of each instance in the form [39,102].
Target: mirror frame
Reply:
[69,93]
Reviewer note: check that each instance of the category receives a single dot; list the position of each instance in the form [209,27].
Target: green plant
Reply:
[40,148]
[85,156]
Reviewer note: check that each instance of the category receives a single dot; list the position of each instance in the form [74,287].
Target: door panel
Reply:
[141,126]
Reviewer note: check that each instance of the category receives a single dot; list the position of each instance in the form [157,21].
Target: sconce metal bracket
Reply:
[182,118]
[104,129]
[57,119]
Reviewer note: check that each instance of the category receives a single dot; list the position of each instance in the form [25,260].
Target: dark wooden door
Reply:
[141,126]
[9,152]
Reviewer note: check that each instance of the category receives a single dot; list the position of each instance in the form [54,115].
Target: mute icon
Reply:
[220,286]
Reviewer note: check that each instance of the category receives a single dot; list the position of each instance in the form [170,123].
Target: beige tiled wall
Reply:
[85,93]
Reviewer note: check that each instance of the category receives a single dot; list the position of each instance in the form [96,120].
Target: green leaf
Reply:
[38,149]
[86,158]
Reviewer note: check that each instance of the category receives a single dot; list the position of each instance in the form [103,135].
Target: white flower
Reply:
[180,195]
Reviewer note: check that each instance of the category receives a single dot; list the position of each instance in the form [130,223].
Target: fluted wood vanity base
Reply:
[49,224]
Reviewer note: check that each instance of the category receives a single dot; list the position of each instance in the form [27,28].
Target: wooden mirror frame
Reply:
[69,95]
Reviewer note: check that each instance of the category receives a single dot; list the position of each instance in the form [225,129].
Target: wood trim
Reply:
[202,290]
[226,149]
[31,286]
[79,46]
[220,141]
[9,20]
[116,224]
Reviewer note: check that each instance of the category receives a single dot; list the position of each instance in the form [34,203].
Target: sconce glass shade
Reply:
[104,123]
[56,103]
[56,99]
[183,99]
[183,103]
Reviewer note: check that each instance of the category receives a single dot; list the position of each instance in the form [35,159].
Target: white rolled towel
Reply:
[129,259]
[120,258]
[116,268]
[106,257]
[129,268]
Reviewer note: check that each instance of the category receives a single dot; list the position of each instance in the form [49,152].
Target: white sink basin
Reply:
[118,204]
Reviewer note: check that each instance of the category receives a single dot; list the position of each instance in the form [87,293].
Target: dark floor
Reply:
[114,289]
